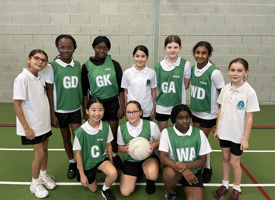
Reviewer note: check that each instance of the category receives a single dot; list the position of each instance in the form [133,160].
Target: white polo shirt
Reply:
[235,103]
[35,105]
[186,74]
[49,78]
[217,82]
[135,131]
[139,84]
[165,144]
[91,131]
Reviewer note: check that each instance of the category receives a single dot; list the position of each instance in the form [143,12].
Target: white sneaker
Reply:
[47,181]
[39,190]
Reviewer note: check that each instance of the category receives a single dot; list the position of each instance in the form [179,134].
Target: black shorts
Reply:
[235,149]
[162,117]
[204,123]
[110,109]
[135,168]
[185,183]
[146,118]
[36,140]
[90,174]
[65,119]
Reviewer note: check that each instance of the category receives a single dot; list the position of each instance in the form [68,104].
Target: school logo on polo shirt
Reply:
[148,82]
[240,105]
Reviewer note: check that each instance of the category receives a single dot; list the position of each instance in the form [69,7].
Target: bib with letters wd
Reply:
[68,86]
[201,90]
[102,79]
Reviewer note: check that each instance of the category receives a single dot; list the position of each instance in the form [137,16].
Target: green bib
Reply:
[185,148]
[146,133]
[93,146]
[201,90]
[68,86]
[102,79]
[170,85]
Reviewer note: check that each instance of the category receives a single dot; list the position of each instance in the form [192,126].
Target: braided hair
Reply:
[177,109]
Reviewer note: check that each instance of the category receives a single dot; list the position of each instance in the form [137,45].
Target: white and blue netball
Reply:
[139,148]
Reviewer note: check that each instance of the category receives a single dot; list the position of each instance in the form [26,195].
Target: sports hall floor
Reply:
[258,164]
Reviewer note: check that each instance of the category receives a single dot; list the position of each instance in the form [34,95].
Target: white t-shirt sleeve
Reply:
[49,76]
[20,89]
[124,81]
[110,136]
[187,70]
[252,103]
[119,137]
[217,79]
[164,141]
[77,145]
[205,146]
[155,132]
[219,100]
[154,80]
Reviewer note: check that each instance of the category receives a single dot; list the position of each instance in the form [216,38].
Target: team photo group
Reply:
[85,101]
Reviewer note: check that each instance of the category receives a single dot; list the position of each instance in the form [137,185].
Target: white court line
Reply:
[248,151]
[139,184]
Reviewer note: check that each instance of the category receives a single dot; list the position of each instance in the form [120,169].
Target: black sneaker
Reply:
[107,194]
[206,175]
[72,170]
[150,187]
[169,196]
[118,162]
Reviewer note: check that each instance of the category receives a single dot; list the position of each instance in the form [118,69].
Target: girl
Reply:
[91,140]
[183,150]
[173,78]
[238,101]
[63,81]
[132,169]
[139,83]
[206,84]
[33,123]
[101,78]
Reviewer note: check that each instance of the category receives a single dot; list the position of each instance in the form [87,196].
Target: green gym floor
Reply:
[258,180]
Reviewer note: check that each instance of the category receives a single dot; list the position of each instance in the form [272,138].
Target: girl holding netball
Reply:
[33,123]
[101,78]
[183,150]
[91,141]
[139,83]
[132,169]
[63,81]
[173,78]
[238,101]
[206,84]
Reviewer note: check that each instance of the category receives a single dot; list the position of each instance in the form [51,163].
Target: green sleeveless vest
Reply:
[102,79]
[201,90]
[170,85]
[93,146]
[186,148]
[68,86]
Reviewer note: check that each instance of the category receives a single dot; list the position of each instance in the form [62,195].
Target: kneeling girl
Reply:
[91,140]
[183,151]
[132,169]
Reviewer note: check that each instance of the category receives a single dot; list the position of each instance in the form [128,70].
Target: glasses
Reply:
[104,49]
[133,112]
[61,48]
[37,58]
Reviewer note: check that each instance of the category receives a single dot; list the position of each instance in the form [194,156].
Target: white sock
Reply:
[73,161]
[35,181]
[225,183]
[237,187]
[104,188]
[43,173]
[115,154]
[207,164]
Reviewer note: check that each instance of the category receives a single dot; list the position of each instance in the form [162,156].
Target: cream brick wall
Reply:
[235,28]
